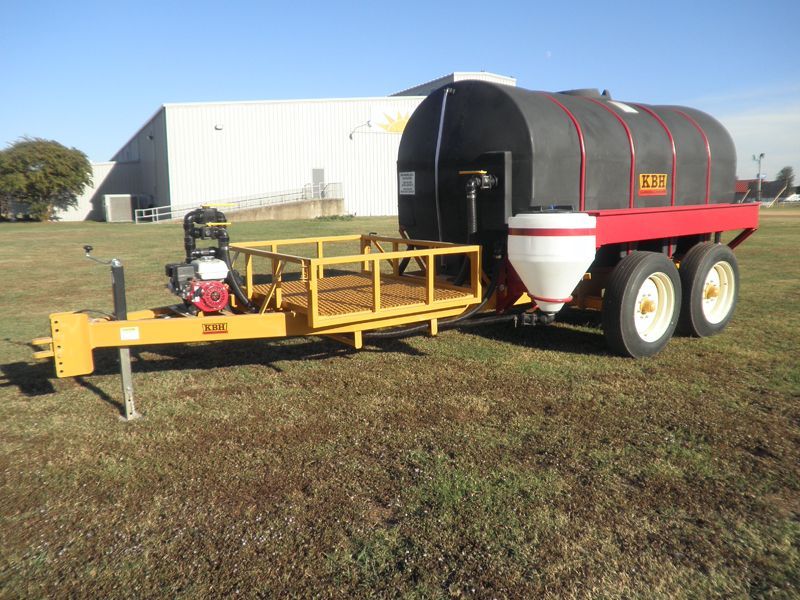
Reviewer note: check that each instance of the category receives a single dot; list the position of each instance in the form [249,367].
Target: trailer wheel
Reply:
[641,304]
[710,278]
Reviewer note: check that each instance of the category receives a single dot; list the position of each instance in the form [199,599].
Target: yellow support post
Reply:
[475,273]
[320,254]
[430,277]
[366,248]
[313,307]
[433,327]
[356,341]
[376,285]
[248,275]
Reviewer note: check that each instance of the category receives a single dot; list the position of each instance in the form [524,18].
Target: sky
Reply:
[90,74]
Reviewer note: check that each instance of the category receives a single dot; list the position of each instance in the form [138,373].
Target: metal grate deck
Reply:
[345,294]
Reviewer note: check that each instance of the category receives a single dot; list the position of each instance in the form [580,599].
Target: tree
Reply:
[43,175]
[786,175]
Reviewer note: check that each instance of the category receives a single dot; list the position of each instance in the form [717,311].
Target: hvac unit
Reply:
[119,207]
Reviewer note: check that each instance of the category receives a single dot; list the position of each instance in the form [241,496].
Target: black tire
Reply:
[701,315]
[628,328]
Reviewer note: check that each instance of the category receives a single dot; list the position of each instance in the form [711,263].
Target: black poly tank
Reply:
[532,142]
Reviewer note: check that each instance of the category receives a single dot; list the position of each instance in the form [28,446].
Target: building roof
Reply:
[742,185]
[423,89]
[420,90]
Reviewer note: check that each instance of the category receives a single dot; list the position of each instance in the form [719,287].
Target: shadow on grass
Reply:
[31,379]
[88,385]
[568,339]
[35,379]
[547,337]
[266,353]
[554,338]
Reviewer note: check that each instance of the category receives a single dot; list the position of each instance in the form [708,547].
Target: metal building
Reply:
[195,153]
[423,89]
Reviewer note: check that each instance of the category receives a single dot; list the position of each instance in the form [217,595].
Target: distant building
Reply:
[770,190]
[743,188]
[195,153]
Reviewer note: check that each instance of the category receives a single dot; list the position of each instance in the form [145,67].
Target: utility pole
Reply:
[758,189]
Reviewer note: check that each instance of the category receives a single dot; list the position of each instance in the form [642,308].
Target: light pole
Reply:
[758,159]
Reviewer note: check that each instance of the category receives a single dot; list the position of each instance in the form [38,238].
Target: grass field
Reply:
[491,462]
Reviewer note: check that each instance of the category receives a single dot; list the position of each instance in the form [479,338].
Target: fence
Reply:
[310,191]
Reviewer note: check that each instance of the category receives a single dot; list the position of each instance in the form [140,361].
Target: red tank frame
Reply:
[671,222]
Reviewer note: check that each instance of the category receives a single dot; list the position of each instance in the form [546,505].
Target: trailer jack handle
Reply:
[120,314]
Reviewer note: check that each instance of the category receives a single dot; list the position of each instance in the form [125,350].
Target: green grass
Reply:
[491,462]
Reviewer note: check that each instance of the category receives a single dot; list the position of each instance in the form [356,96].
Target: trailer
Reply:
[512,204]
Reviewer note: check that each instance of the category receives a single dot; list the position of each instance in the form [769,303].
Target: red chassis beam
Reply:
[626,225]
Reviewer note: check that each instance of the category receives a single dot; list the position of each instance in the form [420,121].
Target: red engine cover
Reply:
[209,296]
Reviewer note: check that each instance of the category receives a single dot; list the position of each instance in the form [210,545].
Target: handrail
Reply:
[348,238]
[313,270]
[311,191]
[300,260]
[412,242]
[400,254]
[298,241]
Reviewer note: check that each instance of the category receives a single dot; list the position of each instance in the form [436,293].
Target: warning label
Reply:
[128,334]
[653,184]
[407,185]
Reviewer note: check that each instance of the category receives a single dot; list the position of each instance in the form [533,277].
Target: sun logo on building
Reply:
[396,124]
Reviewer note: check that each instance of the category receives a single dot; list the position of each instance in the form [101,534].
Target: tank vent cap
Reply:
[585,92]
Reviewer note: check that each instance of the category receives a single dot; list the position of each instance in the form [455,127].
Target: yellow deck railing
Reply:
[366,293]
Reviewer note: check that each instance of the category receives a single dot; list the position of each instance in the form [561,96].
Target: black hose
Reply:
[462,271]
[232,279]
[188,225]
[478,321]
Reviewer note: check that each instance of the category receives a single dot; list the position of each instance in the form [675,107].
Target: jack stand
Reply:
[120,314]
[127,385]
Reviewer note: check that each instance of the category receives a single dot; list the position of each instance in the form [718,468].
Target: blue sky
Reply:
[89,74]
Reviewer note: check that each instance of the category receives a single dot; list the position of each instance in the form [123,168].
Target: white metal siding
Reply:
[107,178]
[147,152]
[222,151]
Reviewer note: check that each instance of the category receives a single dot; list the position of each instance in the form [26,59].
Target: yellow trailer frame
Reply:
[324,297]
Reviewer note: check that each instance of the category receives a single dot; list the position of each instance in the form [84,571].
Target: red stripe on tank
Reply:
[540,299]
[583,148]
[672,143]
[550,232]
[632,185]
[708,150]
